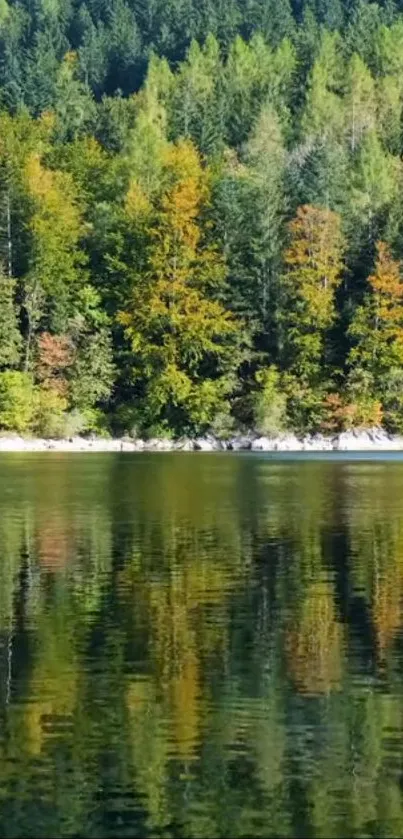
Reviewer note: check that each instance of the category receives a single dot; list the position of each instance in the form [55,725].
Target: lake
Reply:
[201,646]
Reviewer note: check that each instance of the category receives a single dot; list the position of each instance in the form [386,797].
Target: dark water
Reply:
[200,646]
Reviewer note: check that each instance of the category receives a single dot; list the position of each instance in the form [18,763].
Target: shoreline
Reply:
[376,439]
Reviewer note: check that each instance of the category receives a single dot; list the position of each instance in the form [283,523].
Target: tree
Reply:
[74,105]
[266,156]
[56,262]
[376,357]
[182,339]
[272,18]
[92,371]
[375,180]
[195,108]
[323,114]
[10,336]
[360,102]
[16,400]
[54,358]
[124,49]
[313,272]
[93,56]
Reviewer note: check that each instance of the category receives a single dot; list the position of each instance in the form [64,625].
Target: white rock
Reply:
[367,440]
[238,444]
[184,445]
[263,444]
[317,443]
[208,444]
[159,445]
[350,441]
[10,444]
[288,443]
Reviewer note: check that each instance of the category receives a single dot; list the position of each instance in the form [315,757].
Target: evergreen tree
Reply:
[10,336]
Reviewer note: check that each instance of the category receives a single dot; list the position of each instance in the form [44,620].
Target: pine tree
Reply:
[10,336]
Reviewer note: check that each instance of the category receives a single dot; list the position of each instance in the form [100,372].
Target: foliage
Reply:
[270,410]
[10,336]
[359,410]
[17,404]
[192,195]
[174,324]
[50,410]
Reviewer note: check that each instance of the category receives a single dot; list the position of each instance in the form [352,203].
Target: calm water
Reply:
[200,646]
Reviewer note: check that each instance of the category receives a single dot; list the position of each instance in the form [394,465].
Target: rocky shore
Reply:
[375,439]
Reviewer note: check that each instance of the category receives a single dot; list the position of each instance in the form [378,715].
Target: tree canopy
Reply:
[200,210]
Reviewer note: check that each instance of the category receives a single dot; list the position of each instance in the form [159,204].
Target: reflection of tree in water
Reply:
[315,643]
[184,661]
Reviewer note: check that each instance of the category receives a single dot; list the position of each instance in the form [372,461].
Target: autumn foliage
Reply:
[313,263]
[55,356]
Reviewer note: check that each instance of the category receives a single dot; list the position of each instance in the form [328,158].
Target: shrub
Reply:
[126,421]
[305,404]
[50,413]
[75,422]
[342,414]
[17,402]
[392,399]
[365,412]
[223,425]
[270,408]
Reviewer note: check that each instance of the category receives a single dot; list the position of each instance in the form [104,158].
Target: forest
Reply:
[201,216]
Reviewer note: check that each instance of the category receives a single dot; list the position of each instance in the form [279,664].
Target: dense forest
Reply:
[201,216]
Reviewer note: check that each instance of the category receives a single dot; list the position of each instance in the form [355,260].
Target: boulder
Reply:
[132,445]
[365,440]
[239,444]
[288,443]
[184,445]
[12,443]
[263,444]
[317,443]
[208,444]
[162,444]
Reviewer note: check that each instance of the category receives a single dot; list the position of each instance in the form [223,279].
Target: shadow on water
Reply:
[199,646]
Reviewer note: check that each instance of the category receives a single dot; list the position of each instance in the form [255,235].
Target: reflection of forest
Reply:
[200,646]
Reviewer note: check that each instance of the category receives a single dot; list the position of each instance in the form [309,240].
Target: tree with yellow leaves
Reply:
[376,357]
[55,264]
[182,339]
[313,266]
[313,270]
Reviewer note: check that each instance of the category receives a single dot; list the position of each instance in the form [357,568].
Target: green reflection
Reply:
[200,646]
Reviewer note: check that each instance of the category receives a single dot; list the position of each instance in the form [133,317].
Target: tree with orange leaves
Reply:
[182,338]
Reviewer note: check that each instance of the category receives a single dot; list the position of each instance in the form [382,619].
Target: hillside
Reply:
[201,216]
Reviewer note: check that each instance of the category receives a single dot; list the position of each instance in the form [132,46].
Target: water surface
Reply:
[201,646]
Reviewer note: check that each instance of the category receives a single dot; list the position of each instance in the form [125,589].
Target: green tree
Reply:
[323,114]
[10,336]
[360,102]
[92,371]
[17,403]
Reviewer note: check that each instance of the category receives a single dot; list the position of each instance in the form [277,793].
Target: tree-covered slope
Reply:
[201,222]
